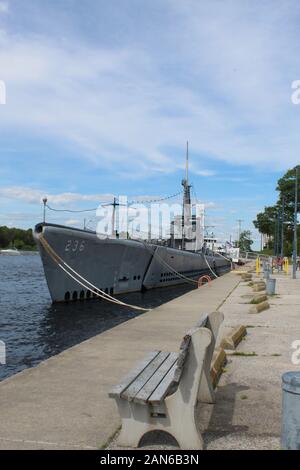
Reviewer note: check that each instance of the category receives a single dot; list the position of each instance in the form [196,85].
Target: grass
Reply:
[257,301]
[244,397]
[243,354]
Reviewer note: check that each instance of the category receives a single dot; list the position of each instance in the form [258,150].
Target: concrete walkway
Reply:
[247,414]
[63,403]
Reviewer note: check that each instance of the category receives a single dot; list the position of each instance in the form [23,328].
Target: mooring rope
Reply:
[188,279]
[209,266]
[192,281]
[57,257]
[228,259]
[99,292]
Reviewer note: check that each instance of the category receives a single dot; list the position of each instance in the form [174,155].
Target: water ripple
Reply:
[33,329]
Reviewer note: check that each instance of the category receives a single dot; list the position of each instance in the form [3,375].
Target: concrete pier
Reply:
[63,403]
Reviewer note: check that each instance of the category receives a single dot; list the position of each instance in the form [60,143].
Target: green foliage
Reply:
[245,240]
[17,238]
[267,222]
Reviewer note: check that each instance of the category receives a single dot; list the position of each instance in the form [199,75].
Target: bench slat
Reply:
[147,390]
[164,387]
[133,374]
[143,378]
[184,349]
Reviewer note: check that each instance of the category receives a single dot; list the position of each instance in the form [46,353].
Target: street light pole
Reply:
[45,200]
[295,225]
[282,226]
[240,230]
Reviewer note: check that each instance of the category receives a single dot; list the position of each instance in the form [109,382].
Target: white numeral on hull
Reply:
[75,246]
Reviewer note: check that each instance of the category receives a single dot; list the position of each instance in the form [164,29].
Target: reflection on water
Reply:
[34,330]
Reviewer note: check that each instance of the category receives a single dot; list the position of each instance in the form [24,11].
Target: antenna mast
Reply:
[186,209]
[187,164]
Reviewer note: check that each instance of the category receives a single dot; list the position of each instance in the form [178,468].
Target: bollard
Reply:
[266,274]
[257,265]
[286,265]
[290,428]
[270,286]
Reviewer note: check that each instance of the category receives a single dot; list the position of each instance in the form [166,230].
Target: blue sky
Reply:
[102,96]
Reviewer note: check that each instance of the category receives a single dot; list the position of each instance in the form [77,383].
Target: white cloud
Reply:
[35,196]
[227,91]
[204,173]
[211,205]
[4,7]
[73,222]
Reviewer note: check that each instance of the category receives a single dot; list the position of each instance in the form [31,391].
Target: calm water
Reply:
[33,329]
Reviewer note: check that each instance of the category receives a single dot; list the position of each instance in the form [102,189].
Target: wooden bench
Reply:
[161,393]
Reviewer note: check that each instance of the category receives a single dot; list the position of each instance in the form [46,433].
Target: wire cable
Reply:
[103,204]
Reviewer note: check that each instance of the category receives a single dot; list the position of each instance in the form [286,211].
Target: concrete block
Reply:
[259,307]
[257,299]
[234,338]
[258,287]
[218,363]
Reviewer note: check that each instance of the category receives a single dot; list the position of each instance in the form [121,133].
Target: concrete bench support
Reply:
[163,391]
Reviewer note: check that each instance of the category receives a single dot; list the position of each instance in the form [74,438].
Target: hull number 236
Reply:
[75,245]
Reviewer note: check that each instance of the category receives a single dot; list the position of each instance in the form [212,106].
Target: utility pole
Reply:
[240,229]
[295,225]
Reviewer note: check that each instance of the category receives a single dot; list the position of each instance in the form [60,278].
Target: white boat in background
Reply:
[10,251]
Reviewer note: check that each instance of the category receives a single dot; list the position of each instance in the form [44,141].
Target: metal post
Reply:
[114,217]
[282,225]
[45,200]
[240,229]
[295,226]
[278,234]
[275,237]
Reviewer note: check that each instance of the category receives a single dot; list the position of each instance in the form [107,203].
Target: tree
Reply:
[21,239]
[245,241]
[269,222]
[265,221]
[286,188]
